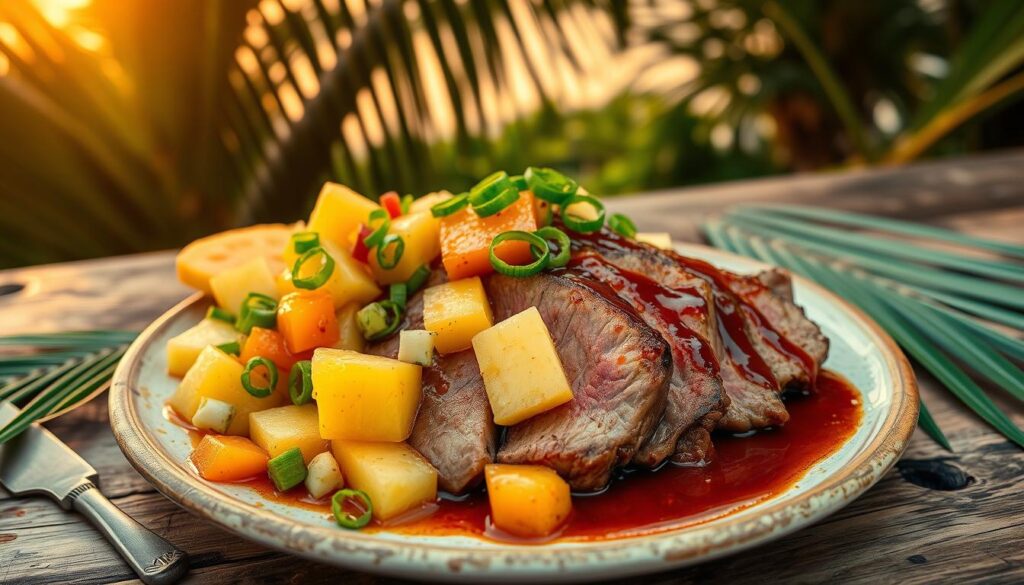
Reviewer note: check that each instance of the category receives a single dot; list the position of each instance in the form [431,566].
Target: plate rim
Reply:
[431,560]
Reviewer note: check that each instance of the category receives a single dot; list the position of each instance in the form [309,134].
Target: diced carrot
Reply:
[466,238]
[269,344]
[228,458]
[307,320]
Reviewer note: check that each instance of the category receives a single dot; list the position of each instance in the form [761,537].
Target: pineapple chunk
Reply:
[657,239]
[206,257]
[416,347]
[420,232]
[324,475]
[218,376]
[530,501]
[350,337]
[348,283]
[338,213]
[394,475]
[365,397]
[231,286]
[429,200]
[213,415]
[184,348]
[456,311]
[279,429]
[521,369]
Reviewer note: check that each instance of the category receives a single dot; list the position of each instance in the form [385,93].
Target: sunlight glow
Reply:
[58,12]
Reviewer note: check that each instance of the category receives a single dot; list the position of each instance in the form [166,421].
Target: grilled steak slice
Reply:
[775,302]
[618,366]
[695,387]
[695,446]
[454,427]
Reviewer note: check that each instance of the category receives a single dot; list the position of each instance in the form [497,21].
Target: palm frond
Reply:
[896,282]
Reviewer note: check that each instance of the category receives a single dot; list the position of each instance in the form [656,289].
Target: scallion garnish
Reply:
[380,223]
[406,203]
[287,470]
[450,206]
[538,247]
[378,320]
[396,244]
[489,188]
[258,310]
[398,293]
[622,225]
[220,315]
[303,241]
[300,382]
[519,181]
[356,498]
[418,279]
[580,224]
[550,185]
[259,391]
[501,200]
[317,279]
[230,348]
[562,245]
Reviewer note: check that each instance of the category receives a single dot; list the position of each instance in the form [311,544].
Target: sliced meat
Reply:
[775,302]
[695,447]
[618,366]
[695,387]
[454,427]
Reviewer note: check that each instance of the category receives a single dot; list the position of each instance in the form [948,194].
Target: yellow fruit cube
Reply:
[279,429]
[456,311]
[394,475]
[207,257]
[365,397]
[429,200]
[184,348]
[338,213]
[421,234]
[520,367]
[218,376]
[231,286]
[349,282]
[657,239]
[530,501]
[350,337]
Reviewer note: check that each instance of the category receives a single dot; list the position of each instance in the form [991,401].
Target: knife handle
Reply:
[154,560]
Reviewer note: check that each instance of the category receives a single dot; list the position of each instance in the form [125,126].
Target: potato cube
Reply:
[324,475]
[349,282]
[657,239]
[456,311]
[231,286]
[338,213]
[425,202]
[213,415]
[416,346]
[184,348]
[419,232]
[521,369]
[279,429]
[365,397]
[218,376]
[530,501]
[394,475]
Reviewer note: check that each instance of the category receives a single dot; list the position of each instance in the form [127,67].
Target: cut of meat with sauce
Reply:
[618,366]
[454,428]
[695,388]
[775,302]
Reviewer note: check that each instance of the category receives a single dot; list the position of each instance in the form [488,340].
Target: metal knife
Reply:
[37,462]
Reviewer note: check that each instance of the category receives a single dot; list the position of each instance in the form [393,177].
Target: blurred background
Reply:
[133,125]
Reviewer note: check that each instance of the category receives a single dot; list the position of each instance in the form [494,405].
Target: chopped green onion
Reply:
[319,278]
[538,247]
[489,188]
[579,224]
[380,223]
[399,293]
[300,382]
[259,391]
[418,279]
[287,470]
[519,181]
[550,185]
[258,310]
[405,203]
[303,241]
[450,206]
[501,200]
[397,244]
[346,519]
[230,348]
[562,243]
[220,315]
[622,225]
[378,320]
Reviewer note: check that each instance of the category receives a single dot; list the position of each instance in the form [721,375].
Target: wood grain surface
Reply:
[938,517]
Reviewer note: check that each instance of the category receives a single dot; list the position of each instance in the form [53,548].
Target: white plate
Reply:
[860,351]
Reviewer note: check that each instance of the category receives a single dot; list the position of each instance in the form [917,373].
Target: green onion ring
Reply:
[258,391]
[303,241]
[496,204]
[399,293]
[418,279]
[390,241]
[489,188]
[300,382]
[550,185]
[553,234]
[622,225]
[406,201]
[578,224]
[220,315]
[343,518]
[519,181]
[538,247]
[392,310]
[258,310]
[320,277]
[383,224]
[450,206]
[230,348]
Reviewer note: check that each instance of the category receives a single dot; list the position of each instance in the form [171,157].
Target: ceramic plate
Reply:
[860,351]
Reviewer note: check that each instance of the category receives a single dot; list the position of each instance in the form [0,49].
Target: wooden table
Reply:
[903,530]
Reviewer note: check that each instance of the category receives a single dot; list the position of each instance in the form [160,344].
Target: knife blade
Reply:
[37,463]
